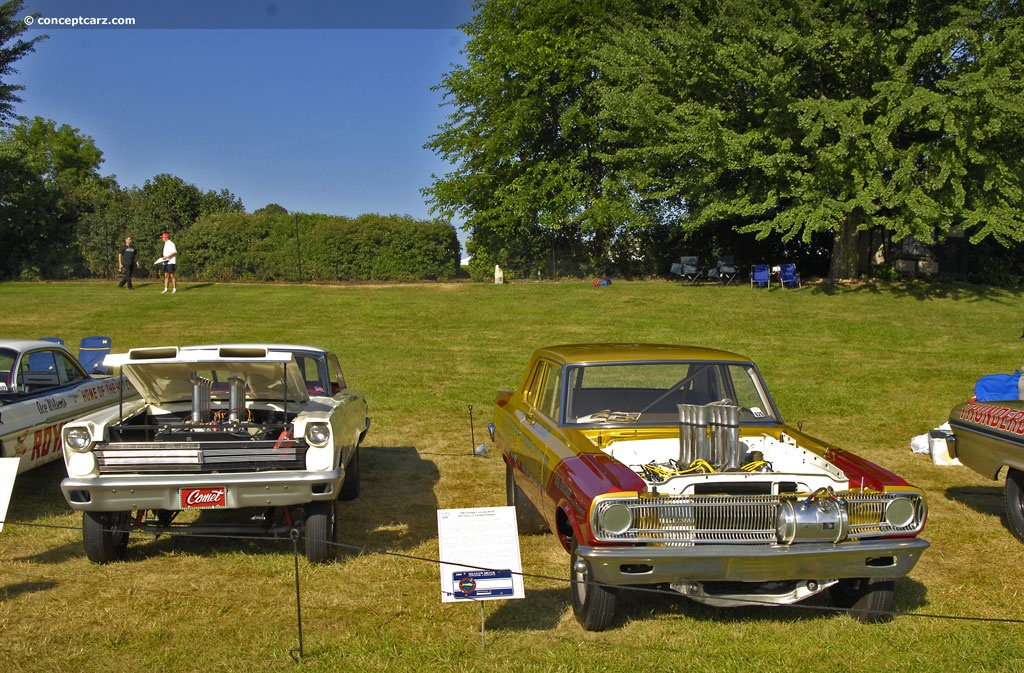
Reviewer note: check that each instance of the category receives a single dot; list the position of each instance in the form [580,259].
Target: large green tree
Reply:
[12,48]
[522,133]
[858,121]
[53,181]
[796,117]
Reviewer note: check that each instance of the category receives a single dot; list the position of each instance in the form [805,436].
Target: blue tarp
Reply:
[997,387]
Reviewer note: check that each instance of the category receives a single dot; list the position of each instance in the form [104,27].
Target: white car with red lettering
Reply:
[269,427]
[42,387]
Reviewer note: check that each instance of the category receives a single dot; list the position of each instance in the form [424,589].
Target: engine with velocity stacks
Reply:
[711,458]
[712,486]
[219,432]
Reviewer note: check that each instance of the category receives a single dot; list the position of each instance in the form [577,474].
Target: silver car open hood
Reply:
[165,374]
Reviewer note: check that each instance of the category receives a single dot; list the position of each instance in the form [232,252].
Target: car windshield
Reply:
[651,392]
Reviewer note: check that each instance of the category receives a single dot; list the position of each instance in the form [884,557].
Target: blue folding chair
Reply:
[760,276]
[91,352]
[788,276]
[55,340]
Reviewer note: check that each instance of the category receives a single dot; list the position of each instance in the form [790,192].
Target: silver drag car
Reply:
[269,427]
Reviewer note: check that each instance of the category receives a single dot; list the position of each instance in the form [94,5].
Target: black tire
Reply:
[350,487]
[105,535]
[593,604]
[867,600]
[1014,496]
[528,519]
[320,529]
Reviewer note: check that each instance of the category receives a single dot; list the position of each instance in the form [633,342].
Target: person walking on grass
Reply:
[126,262]
[170,256]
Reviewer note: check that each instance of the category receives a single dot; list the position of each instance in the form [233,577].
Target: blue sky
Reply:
[317,120]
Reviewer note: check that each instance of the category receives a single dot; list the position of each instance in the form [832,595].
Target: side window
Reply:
[545,391]
[310,374]
[37,372]
[6,363]
[336,375]
[69,371]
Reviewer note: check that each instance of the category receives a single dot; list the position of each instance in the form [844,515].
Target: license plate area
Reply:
[208,497]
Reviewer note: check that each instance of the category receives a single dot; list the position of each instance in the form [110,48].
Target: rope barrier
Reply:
[294,536]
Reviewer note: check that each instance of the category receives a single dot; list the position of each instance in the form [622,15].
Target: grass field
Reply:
[866,367]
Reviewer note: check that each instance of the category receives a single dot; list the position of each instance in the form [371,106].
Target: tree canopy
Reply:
[12,49]
[786,120]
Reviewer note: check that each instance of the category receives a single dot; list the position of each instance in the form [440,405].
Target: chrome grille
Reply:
[725,519]
[199,457]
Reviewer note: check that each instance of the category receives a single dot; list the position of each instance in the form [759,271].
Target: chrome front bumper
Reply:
[252,489]
[885,558]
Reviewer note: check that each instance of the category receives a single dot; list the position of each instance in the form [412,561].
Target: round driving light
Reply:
[319,460]
[318,434]
[616,519]
[77,439]
[899,512]
[81,464]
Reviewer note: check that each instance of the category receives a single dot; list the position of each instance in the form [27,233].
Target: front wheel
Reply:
[593,604]
[320,528]
[105,535]
[869,601]
[1014,496]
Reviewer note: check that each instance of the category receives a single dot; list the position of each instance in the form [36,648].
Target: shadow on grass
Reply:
[12,591]
[377,520]
[543,609]
[920,290]
[982,499]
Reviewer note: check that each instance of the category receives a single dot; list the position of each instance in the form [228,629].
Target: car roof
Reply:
[634,352]
[29,344]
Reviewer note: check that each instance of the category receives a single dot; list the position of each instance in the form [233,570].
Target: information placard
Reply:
[479,551]
[8,471]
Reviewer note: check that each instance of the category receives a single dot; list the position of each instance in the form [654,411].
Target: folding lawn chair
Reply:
[760,276]
[91,352]
[788,275]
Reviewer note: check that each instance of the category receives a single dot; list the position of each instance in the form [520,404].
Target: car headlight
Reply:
[615,519]
[899,512]
[81,465]
[318,434]
[77,439]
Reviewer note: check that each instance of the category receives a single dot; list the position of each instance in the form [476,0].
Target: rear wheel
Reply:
[528,519]
[868,600]
[105,535]
[1014,497]
[350,487]
[593,604]
[320,528]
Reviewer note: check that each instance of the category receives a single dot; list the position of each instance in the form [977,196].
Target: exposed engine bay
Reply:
[710,457]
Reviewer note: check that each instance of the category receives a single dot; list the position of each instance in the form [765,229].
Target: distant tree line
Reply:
[60,218]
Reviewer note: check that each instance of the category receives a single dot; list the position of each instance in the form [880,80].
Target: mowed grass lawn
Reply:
[865,366]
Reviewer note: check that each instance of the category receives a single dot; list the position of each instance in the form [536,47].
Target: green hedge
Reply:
[300,247]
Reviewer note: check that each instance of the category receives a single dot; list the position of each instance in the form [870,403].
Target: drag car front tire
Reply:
[593,604]
[321,524]
[105,535]
[867,600]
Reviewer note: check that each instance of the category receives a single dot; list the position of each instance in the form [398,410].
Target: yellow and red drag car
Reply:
[671,465]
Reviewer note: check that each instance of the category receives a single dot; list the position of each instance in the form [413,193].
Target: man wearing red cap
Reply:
[170,256]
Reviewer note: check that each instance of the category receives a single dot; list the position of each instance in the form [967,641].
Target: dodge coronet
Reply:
[671,466]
